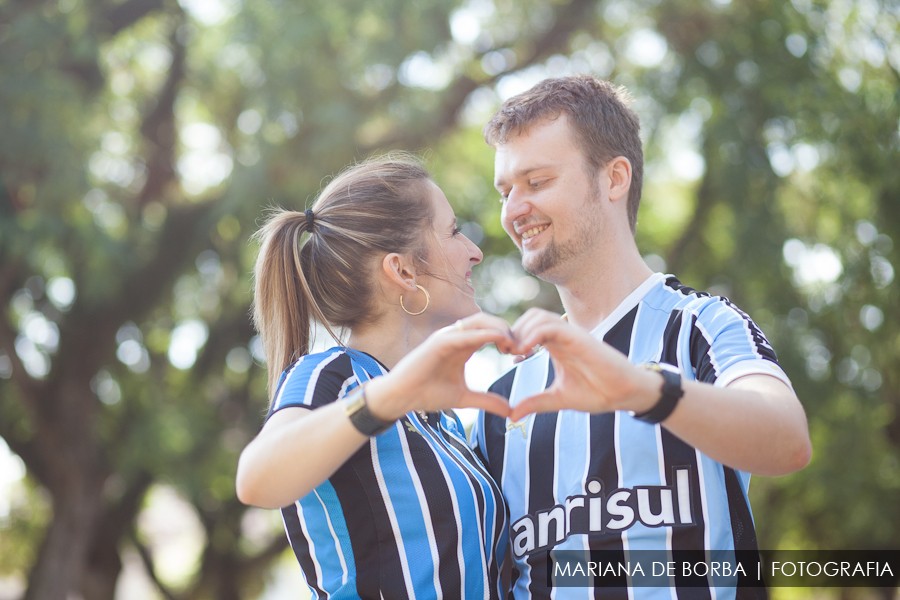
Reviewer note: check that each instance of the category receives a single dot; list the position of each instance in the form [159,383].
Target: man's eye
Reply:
[535,183]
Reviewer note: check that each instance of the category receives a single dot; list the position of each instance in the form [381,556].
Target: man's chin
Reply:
[536,265]
[541,267]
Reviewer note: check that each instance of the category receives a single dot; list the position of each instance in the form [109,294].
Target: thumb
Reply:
[539,403]
[486,401]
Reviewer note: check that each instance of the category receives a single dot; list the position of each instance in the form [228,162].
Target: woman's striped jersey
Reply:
[609,482]
[413,514]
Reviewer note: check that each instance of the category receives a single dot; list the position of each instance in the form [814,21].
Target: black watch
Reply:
[357,409]
[668,400]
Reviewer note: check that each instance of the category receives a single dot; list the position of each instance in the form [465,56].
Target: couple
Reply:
[636,426]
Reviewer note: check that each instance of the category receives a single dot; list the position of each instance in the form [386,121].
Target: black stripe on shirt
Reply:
[378,561]
[495,429]
[763,347]
[744,535]
[687,541]
[471,465]
[541,459]
[603,467]
[701,357]
[437,497]
[300,546]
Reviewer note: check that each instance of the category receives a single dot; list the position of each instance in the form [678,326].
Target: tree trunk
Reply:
[63,554]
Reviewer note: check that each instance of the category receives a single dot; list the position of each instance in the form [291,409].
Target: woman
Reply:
[380,494]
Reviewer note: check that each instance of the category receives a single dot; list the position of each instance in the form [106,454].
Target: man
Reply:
[638,421]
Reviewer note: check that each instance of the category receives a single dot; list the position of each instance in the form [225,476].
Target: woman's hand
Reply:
[432,376]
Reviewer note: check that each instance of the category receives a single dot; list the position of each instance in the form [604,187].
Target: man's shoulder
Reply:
[672,295]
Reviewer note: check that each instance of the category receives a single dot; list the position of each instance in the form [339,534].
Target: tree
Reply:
[139,149]
[139,145]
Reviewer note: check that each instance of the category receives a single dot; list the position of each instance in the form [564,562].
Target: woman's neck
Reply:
[386,342]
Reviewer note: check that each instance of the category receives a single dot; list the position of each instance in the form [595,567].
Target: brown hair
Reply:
[369,209]
[604,125]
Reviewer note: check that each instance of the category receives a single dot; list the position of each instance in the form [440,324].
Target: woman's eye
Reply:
[456,231]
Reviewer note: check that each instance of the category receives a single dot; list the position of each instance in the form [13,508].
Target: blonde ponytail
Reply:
[370,209]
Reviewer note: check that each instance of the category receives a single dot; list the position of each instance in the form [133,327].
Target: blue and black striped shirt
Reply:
[609,482]
[413,514]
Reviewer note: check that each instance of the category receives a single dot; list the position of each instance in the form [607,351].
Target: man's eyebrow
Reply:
[498,183]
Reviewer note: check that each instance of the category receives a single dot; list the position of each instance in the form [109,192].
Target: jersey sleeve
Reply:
[476,436]
[314,381]
[725,344]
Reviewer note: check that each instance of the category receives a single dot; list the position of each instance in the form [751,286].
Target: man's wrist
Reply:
[670,394]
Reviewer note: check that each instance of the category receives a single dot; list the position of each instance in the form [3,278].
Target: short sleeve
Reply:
[725,344]
[315,380]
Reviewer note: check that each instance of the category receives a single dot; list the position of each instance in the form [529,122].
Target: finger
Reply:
[505,344]
[542,333]
[486,401]
[484,320]
[472,340]
[539,403]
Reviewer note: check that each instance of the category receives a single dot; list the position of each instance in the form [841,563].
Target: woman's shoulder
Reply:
[331,361]
[314,379]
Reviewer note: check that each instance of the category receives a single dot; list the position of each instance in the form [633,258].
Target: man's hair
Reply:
[604,125]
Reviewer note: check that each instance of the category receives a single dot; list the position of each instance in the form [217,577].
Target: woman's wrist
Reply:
[384,399]
[356,407]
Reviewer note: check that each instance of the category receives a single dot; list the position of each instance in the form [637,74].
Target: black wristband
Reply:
[357,409]
[671,393]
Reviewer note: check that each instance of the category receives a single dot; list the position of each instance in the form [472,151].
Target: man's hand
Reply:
[590,375]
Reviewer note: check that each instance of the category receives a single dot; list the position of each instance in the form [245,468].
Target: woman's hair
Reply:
[368,210]
[599,114]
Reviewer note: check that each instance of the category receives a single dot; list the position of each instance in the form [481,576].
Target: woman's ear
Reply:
[399,270]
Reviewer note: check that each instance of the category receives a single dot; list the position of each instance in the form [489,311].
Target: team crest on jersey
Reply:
[597,511]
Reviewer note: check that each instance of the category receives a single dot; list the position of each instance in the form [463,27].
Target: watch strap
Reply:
[357,409]
[671,393]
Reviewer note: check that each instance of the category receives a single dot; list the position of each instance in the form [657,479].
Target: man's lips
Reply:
[526,233]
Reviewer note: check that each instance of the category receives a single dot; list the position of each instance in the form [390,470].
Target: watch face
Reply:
[666,367]
[354,404]
[358,411]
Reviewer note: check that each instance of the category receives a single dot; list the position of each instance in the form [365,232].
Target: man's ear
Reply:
[618,172]
[399,270]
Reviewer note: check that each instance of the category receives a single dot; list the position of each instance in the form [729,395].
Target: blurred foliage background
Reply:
[141,140]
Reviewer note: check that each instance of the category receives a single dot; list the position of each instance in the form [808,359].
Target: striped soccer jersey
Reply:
[412,514]
[646,489]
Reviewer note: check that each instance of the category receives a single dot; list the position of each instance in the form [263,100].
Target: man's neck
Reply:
[598,290]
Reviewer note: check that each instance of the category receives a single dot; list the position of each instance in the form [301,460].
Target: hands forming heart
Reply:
[590,375]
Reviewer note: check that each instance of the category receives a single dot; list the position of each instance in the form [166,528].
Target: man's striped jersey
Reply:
[609,482]
[412,514]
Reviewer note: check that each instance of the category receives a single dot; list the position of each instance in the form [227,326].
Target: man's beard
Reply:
[547,262]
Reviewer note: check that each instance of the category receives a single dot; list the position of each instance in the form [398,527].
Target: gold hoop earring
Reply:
[427,302]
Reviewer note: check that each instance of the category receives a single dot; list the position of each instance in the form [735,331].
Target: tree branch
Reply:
[127,14]
[150,567]
[29,387]
[159,128]
[567,20]
[695,227]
